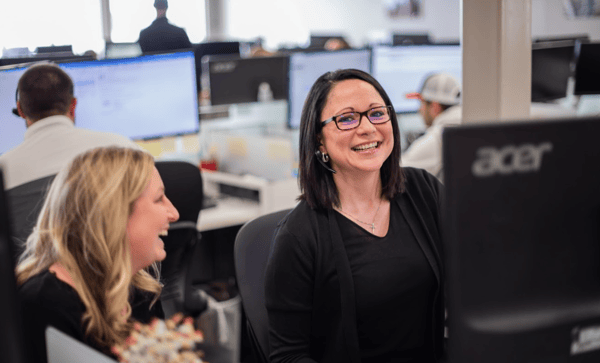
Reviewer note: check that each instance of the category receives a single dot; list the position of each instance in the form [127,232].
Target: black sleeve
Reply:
[38,314]
[289,281]
[141,309]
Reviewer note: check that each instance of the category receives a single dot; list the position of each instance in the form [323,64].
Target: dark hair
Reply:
[45,90]
[316,183]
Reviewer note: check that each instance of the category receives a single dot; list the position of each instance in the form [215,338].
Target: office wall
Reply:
[292,21]
[548,20]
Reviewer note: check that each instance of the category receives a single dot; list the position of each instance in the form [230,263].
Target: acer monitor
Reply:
[145,97]
[211,48]
[521,223]
[552,65]
[11,334]
[402,70]
[305,68]
[233,79]
[587,71]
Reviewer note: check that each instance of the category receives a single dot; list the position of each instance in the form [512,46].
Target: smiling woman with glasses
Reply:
[355,273]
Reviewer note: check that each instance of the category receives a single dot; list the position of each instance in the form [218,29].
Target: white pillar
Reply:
[106,20]
[215,20]
[496,41]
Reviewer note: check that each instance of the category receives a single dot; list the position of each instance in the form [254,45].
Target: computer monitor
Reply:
[122,50]
[587,71]
[212,48]
[551,67]
[141,98]
[55,49]
[234,79]
[573,38]
[305,68]
[12,127]
[51,57]
[522,231]
[317,41]
[11,334]
[410,39]
[402,70]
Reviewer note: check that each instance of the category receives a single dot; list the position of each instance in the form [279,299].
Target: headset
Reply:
[319,156]
[15,111]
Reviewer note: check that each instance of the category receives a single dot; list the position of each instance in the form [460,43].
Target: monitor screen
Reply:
[402,70]
[522,233]
[587,71]
[11,338]
[144,97]
[305,68]
[234,79]
[12,127]
[551,67]
[122,50]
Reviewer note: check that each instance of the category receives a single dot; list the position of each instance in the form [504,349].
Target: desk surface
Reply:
[229,211]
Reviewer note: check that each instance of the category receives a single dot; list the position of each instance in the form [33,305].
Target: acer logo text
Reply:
[509,159]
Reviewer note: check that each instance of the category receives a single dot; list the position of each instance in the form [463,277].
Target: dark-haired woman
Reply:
[355,273]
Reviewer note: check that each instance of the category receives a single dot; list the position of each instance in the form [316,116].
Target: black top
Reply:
[162,36]
[311,293]
[46,300]
[394,288]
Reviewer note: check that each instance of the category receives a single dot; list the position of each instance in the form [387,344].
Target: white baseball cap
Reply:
[439,87]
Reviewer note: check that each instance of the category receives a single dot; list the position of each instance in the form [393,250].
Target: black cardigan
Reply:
[312,319]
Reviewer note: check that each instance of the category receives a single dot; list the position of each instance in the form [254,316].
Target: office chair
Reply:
[183,187]
[25,203]
[12,344]
[250,254]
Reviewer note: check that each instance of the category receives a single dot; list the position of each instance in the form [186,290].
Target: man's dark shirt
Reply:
[161,36]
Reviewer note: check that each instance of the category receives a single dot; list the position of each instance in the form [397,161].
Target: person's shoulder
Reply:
[45,291]
[419,179]
[102,138]
[300,222]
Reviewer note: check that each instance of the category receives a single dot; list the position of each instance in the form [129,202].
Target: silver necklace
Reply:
[372,224]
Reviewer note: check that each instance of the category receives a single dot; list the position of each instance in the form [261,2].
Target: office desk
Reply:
[269,196]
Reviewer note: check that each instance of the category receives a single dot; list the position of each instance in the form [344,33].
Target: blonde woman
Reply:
[85,267]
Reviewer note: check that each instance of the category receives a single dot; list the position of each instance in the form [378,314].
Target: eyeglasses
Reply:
[351,120]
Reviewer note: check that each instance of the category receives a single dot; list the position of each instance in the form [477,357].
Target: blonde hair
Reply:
[82,225]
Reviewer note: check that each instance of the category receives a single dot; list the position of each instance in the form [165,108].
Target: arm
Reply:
[289,282]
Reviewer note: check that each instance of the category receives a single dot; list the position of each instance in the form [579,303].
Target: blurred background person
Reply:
[161,35]
[440,98]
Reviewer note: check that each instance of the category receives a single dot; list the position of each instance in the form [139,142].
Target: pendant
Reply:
[373,227]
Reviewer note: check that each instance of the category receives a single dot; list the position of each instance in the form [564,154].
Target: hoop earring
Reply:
[325,157]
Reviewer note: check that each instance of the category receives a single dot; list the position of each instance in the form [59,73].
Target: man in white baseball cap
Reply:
[440,106]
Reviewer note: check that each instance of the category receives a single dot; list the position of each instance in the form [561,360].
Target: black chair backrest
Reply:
[11,335]
[183,186]
[250,254]
[25,203]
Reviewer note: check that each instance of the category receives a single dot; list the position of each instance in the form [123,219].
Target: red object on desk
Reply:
[208,165]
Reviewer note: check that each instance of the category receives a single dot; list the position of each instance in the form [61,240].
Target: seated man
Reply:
[440,98]
[46,102]
[161,35]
